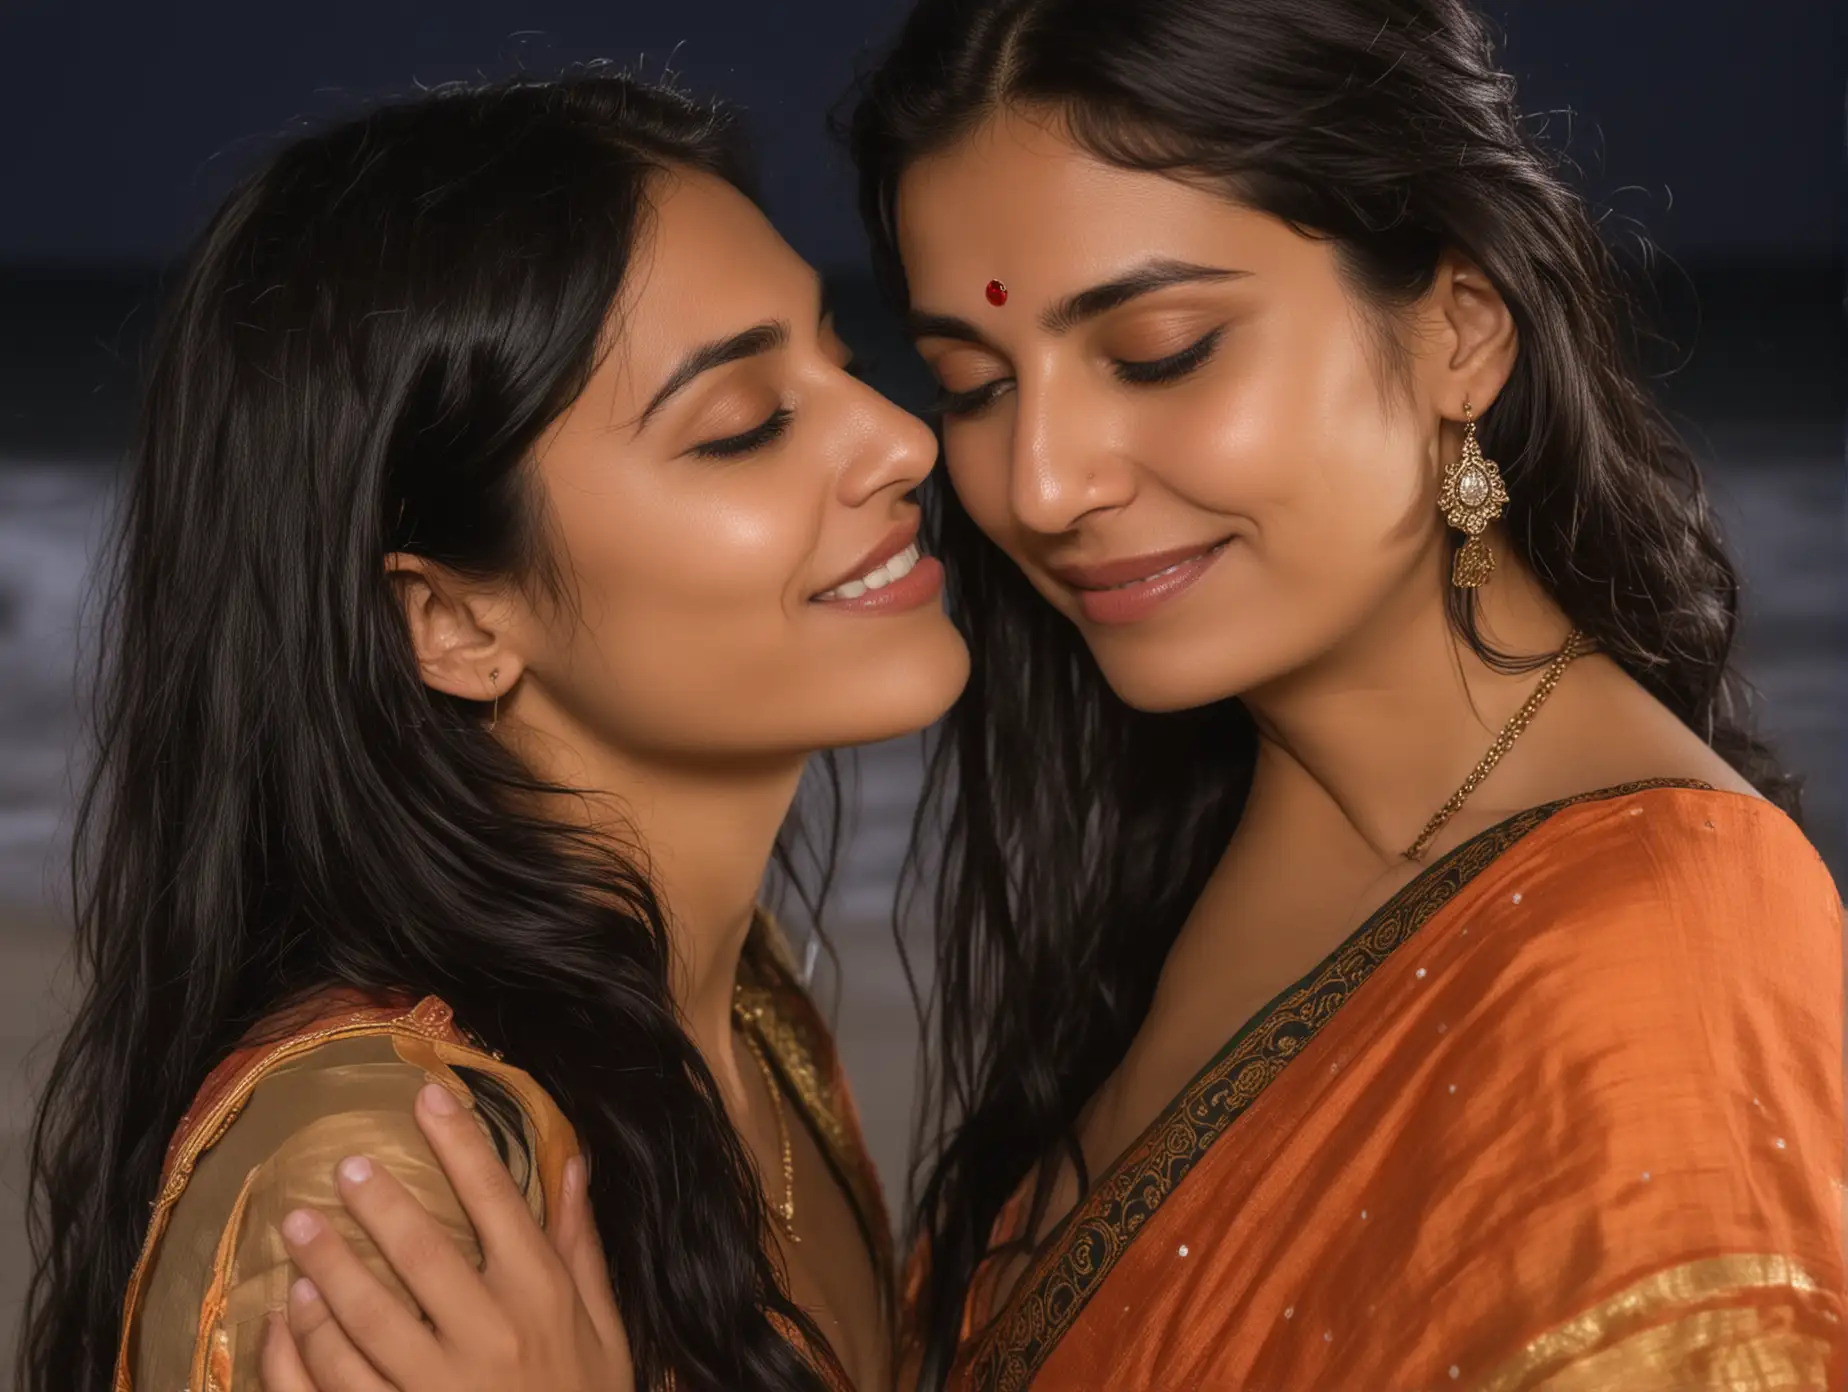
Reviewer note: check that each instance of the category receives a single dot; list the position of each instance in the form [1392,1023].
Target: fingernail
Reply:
[574,1176]
[356,1169]
[301,1226]
[303,1292]
[438,1101]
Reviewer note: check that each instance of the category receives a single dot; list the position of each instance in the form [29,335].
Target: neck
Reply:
[1380,731]
[703,832]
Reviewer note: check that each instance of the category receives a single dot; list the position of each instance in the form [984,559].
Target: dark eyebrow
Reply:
[1074,309]
[1154,275]
[761,338]
[943,326]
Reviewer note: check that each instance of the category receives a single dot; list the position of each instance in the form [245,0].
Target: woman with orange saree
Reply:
[1374,953]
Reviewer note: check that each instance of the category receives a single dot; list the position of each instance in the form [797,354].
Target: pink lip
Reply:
[918,586]
[1121,592]
[895,541]
[1108,574]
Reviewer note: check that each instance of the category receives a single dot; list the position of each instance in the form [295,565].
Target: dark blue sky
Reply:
[1717,123]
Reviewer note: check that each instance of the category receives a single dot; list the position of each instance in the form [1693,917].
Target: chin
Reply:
[899,695]
[1159,678]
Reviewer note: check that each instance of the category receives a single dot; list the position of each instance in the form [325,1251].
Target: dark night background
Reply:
[1714,126]
[124,121]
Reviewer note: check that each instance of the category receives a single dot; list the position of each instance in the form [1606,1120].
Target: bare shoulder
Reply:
[1608,731]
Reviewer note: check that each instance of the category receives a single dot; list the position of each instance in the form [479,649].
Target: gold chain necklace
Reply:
[1575,646]
[786,1210]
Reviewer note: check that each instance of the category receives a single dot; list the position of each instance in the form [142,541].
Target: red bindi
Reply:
[997,293]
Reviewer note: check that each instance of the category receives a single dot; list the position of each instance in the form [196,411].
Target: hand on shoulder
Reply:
[537,1314]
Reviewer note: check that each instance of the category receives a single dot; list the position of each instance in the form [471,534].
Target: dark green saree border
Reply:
[1079,1254]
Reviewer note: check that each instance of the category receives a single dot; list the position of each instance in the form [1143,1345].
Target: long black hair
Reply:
[363,348]
[1076,833]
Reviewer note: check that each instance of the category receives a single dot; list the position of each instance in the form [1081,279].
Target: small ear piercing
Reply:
[494,684]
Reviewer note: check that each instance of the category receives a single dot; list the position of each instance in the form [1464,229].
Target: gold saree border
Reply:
[780,1014]
[778,1011]
[1624,1336]
[1080,1253]
[211,1367]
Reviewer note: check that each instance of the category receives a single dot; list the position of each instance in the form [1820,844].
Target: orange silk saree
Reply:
[1566,1113]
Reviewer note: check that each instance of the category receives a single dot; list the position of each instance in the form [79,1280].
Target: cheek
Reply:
[1301,438]
[693,554]
[694,635]
[676,588]
[1362,459]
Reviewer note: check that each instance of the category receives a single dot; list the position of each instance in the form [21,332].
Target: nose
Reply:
[1064,463]
[893,449]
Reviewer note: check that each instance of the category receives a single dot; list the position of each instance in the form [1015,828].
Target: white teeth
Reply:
[1166,570]
[879,576]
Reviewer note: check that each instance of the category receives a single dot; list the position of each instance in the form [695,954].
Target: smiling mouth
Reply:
[1154,575]
[1133,589]
[1107,576]
[881,575]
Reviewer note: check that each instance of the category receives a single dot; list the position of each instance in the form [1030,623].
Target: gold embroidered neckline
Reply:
[1072,1261]
[786,1209]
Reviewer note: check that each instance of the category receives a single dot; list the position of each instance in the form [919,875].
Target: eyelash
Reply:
[1160,371]
[1153,373]
[774,427]
[967,403]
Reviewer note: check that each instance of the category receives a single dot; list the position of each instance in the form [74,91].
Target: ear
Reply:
[1479,340]
[458,631]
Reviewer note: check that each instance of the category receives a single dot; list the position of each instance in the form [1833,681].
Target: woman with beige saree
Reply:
[505,533]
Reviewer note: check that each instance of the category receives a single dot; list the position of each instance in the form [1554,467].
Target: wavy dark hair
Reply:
[362,350]
[1076,833]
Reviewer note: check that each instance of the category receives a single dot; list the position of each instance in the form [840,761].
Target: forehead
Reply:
[1019,201]
[707,265]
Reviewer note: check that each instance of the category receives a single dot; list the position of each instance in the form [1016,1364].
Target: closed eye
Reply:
[1156,372]
[970,402]
[773,428]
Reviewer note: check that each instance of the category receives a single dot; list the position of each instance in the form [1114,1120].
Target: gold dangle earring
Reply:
[1473,497]
[494,684]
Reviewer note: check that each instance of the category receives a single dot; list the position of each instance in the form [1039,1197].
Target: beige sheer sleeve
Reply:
[221,1266]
